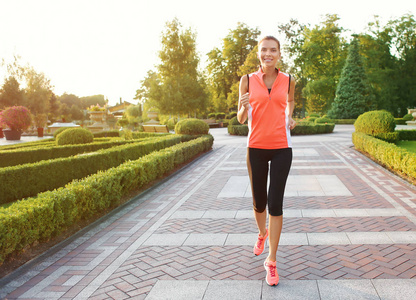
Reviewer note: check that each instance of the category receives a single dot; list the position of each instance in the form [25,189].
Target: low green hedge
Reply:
[238,129]
[30,179]
[110,133]
[38,219]
[407,135]
[386,153]
[38,153]
[191,126]
[343,121]
[311,128]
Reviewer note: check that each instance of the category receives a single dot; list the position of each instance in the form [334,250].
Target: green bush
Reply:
[60,130]
[400,121]
[220,116]
[234,121]
[374,122]
[311,128]
[388,154]
[110,133]
[314,115]
[191,126]
[74,136]
[233,114]
[238,129]
[211,115]
[312,119]
[408,117]
[171,123]
[38,219]
[390,137]
[407,135]
[50,174]
[51,151]
[323,120]
[343,121]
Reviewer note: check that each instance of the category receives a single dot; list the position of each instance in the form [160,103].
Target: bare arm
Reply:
[291,103]
[243,100]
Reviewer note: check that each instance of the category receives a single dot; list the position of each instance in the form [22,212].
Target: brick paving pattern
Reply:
[122,258]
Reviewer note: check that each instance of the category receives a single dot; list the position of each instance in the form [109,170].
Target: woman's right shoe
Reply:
[259,246]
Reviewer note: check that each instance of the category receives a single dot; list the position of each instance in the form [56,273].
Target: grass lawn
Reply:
[408,145]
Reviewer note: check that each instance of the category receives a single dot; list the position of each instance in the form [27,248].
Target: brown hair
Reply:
[270,37]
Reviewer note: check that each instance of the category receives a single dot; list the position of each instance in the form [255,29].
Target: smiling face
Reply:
[269,53]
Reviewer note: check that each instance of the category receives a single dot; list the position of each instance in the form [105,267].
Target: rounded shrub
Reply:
[408,117]
[233,114]
[59,131]
[234,121]
[211,115]
[73,136]
[191,126]
[220,116]
[323,120]
[375,122]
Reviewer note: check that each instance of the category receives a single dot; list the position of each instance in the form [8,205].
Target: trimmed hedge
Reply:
[51,151]
[109,133]
[407,135]
[386,153]
[311,128]
[191,126]
[343,121]
[374,122]
[38,219]
[74,136]
[30,179]
[390,137]
[238,129]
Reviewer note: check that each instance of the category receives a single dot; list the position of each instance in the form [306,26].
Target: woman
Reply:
[267,100]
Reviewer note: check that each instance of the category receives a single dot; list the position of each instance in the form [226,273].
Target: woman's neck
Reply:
[268,71]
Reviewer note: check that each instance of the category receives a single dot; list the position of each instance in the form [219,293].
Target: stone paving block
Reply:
[395,289]
[292,213]
[177,290]
[351,212]
[219,214]
[384,212]
[404,237]
[233,290]
[244,214]
[369,238]
[241,239]
[347,289]
[318,213]
[187,214]
[328,238]
[291,290]
[195,239]
[166,239]
[288,238]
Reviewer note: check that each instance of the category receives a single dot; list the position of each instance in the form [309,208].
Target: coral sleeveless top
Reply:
[268,113]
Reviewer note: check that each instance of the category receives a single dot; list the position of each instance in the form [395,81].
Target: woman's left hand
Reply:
[292,123]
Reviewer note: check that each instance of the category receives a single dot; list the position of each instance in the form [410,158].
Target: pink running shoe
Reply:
[272,278]
[259,246]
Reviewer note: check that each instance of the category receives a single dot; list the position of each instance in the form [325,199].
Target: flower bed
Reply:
[38,219]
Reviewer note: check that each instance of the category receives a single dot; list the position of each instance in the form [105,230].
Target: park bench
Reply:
[211,123]
[156,128]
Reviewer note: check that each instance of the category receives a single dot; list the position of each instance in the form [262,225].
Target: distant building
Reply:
[118,109]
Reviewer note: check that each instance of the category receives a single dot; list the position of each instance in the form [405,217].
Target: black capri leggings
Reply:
[258,169]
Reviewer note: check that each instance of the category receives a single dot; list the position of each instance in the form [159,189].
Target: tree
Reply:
[223,65]
[38,91]
[76,113]
[353,94]
[176,88]
[87,101]
[323,56]
[11,94]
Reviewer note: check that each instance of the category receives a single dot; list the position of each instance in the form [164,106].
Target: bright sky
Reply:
[89,47]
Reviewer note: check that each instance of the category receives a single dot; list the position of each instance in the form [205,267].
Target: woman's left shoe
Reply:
[272,278]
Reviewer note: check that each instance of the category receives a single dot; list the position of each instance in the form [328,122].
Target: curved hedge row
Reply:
[30,179]
[40,218]
[35,154]
[386,153]
[238,129]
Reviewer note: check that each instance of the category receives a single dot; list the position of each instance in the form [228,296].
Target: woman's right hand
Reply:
[245,100]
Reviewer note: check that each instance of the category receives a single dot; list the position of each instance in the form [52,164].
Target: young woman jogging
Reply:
[267,101]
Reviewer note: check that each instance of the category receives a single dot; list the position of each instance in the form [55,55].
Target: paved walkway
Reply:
[349,233]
